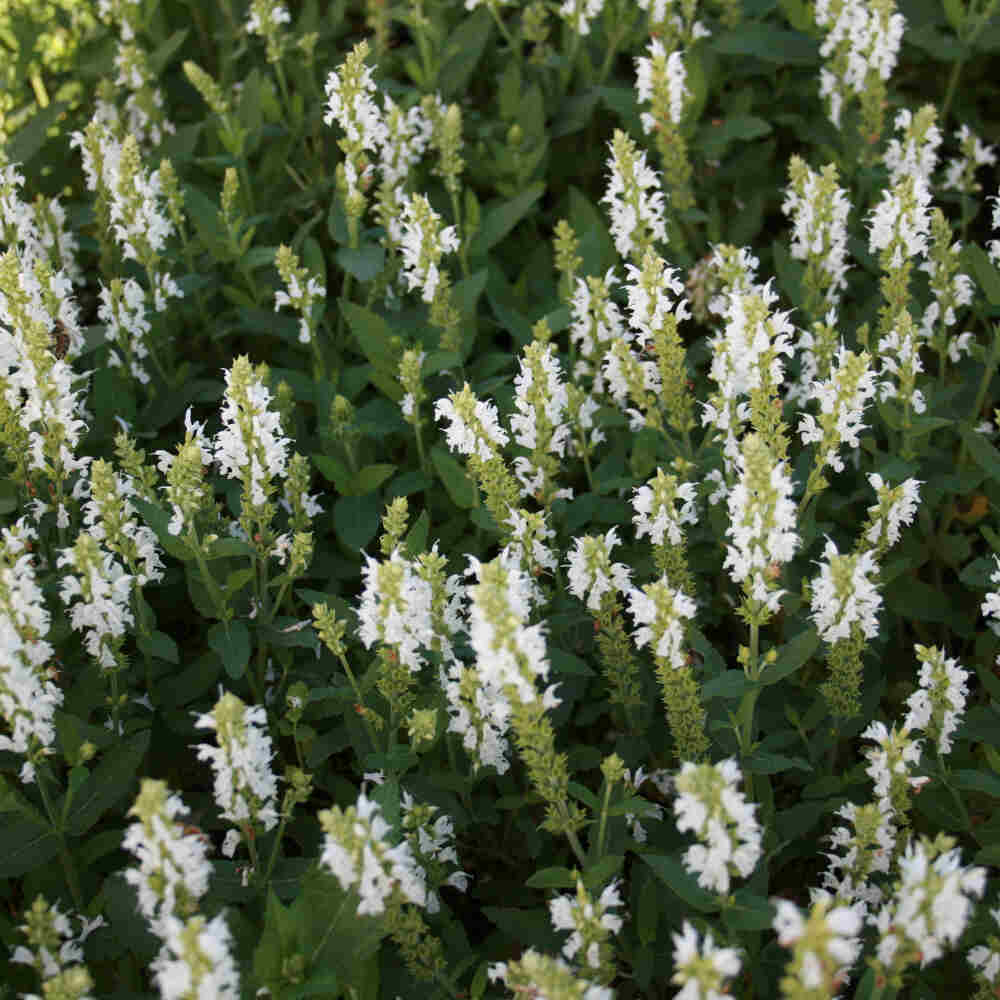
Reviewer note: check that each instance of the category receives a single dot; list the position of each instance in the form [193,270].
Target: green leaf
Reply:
[713,140]
[769,44]
[158,519]
[462,53]
[110,781]
[977,781]
[365,263]
[597,876]
[355,519]
[762,762]
[371,477]
[233,646]
[159,644]
[461,489]
[334,471]
[748,912]
[989,855]
[499,220]
[793,656]
[596,248]
[670,871]
[551,878]
[159,58]
[730,684]
[416,538]
[29,139]
[374,337]
[975,259]
[983,453]
[913,599]
[567,663]
[24,846]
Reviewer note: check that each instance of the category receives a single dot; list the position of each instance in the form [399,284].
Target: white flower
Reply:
[896,506]
[174,869]
[658,609]
[930,907]
[634,199]
[890,763]
[655,513]
[937,706]
[28,699]
[591,572]
[250,446]
[357,852]
[395,609]
[423,242]
[197,960]
[986,959]
[844,595]
[710,805]
[245,786]
[591,924]
[475,426]
[579,13]
[702,969]
[825,945]
[349,92]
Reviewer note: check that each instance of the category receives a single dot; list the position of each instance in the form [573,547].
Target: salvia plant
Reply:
[499,499]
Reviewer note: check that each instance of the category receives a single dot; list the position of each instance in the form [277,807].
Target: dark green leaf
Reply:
[110,781]
[670,871]
[462,53]
[500,219]
[792,656]
[461,489]
[977,781]
[730,684]
[983,453]
[567,663]
[364,263]
[29,139]
[762,762]
[551,878]
[24,846]
[748,912]
[356,519]
[233,645]
[768,43]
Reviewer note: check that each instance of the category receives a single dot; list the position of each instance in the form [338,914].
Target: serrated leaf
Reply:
[670,871]
[233,646]
[460,488]
[110,781]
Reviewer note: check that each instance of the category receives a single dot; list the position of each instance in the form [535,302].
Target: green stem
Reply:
[274,850]
[749,702]
[361,701]
[69,868]
[603,822]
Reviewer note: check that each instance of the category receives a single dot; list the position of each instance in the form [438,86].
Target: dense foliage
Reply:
[500,499]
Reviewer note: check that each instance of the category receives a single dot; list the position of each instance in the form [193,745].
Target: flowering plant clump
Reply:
[443,443]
